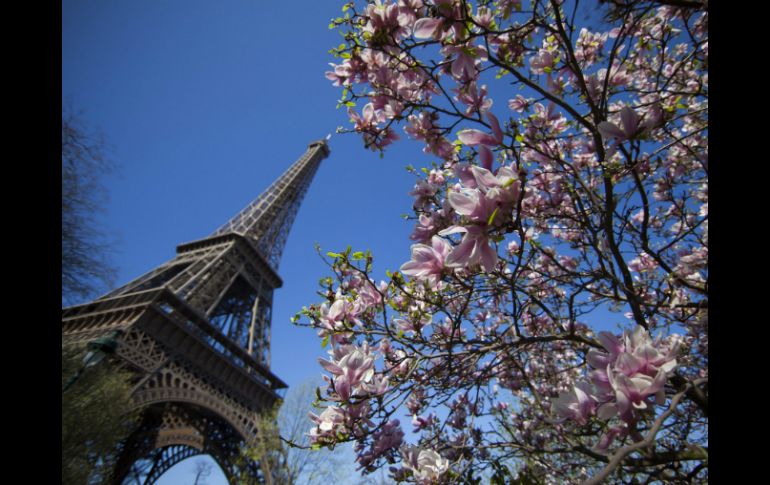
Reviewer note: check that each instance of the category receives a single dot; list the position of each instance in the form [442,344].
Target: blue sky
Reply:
[204,105]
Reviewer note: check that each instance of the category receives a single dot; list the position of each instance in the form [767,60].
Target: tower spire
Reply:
[266,221]
[196,330]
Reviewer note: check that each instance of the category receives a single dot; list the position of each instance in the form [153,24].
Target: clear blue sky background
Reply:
[205,104]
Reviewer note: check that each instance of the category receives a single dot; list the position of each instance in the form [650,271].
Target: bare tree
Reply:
[85,248]
[282,448]
[202,470]
[308,465]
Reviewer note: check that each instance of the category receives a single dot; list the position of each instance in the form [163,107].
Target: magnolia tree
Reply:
[551,324]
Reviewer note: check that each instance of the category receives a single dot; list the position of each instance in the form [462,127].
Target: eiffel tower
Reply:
[196,332]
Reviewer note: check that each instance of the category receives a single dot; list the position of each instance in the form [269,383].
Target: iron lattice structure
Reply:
[196,332]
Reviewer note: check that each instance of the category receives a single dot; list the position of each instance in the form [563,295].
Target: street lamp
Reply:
[97,350]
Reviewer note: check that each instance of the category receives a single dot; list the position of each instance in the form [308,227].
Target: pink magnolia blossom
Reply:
[423,192]
[425,228]
[467,325]
[631,393]
[589,45]
[341,74]
[422,127]
[577,404]
[631,370]
[463,66]
[388,438]
[519,103]
[548,119]
[367,120]
[427,263]
[473,249]
[475,98]
[544,60]
[472,137]
[463,172]
[412,325]
[643,263]
[370,295]
[328,424]
[426,465]
[351,367]
[502,187]
[631,122]
[426,28]
[484,17]
[388,18]
[471,203]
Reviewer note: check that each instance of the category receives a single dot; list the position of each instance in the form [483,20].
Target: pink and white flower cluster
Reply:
[632,371]
[426,465]
[589,192]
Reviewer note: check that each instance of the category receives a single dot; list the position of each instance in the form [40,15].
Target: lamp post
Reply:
[97,350]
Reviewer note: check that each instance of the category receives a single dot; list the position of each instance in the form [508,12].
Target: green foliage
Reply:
[283,450]
[96,416]
[266,450]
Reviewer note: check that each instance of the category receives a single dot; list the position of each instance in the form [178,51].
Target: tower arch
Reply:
[196,333]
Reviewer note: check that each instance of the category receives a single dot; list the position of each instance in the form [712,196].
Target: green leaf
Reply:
[519,138]
[325,342]
[357,255]
[334,255]
[492,217]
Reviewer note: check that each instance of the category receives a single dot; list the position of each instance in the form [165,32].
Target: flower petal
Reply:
[462,254]
[609,130]
[485,154]
[463,202]
[630,121]
[495,127]
[488,256]
[425,27]
[472,137]
[607,410]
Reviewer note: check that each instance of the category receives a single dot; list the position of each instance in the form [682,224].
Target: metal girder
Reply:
[196,331]
[268,220]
